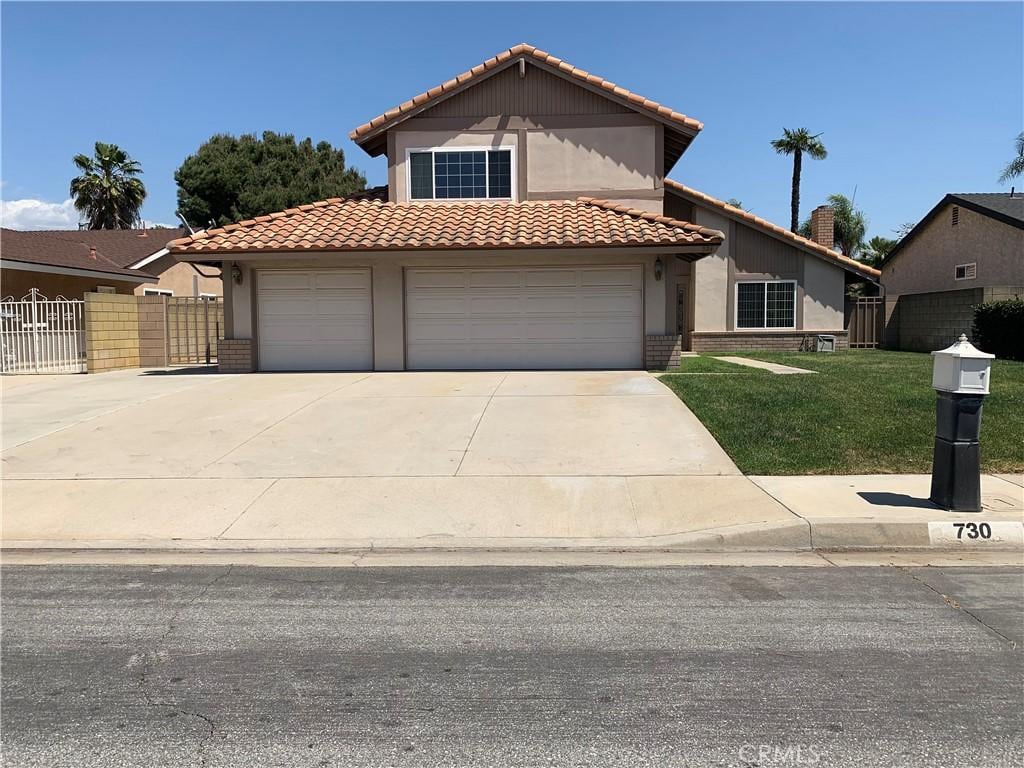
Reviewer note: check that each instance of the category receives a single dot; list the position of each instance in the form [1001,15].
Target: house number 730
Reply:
[973,530]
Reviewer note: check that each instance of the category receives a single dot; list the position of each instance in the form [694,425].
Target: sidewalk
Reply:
[652,514]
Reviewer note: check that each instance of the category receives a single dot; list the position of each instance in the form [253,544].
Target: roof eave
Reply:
[837,259]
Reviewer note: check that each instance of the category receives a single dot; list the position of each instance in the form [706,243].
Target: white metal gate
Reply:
[41,335]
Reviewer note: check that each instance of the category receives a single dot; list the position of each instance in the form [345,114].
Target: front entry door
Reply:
[682,316]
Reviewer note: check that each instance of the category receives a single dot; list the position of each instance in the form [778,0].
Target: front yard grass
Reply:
[864,412]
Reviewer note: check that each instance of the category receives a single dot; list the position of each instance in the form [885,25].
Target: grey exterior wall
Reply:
[925,322]
[927,263]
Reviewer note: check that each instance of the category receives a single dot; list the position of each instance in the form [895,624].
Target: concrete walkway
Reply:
[772,367]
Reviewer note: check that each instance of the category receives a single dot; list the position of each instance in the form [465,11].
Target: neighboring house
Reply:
[71,263]
[967,250]
[528,223]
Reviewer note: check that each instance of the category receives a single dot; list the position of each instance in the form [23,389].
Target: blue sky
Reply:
[914,100]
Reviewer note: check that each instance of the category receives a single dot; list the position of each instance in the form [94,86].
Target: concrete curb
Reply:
[826,535]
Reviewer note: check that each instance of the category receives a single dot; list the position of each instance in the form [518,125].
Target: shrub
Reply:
[999,328]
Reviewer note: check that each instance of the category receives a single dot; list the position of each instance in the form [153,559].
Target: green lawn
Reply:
[865,411]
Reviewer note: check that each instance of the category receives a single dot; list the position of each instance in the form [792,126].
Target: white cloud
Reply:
[38,214]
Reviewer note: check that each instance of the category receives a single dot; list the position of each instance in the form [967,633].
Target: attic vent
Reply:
[966,271]
[956,215]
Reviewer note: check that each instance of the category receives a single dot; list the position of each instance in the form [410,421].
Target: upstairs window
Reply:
[464,174]
[966,271]
[766,304]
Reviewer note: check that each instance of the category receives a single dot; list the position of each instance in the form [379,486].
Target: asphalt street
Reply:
[491,666]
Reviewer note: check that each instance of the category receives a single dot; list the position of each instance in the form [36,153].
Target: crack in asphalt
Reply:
[953,603]
[147,660]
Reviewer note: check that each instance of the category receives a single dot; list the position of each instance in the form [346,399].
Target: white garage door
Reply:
[573,317]
[315,320]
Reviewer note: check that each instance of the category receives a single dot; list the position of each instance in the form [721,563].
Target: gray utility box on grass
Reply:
[960,377]
[826,342]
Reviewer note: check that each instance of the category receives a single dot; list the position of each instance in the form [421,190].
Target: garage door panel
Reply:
[315,320]
[495,278]
[580,317]
[551,278]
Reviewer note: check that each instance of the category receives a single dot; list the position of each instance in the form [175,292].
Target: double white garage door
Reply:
[457,318]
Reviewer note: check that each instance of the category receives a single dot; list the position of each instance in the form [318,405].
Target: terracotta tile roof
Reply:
[108,251]
[634,100]
[371,225]
[797,240]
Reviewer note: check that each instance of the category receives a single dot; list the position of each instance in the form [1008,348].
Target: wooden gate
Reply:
[867,315]
[193,326]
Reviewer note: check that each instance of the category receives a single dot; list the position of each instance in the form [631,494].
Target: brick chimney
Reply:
[823,226]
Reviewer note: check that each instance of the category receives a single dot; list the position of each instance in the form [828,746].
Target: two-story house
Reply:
[528,222]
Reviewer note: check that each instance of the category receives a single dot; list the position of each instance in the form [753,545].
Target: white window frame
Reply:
[157,292]
[765,327]
[966,268]
[209,296]
[487,174]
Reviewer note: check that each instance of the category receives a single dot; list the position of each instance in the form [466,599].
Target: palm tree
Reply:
[797,143]
[1015,167]
[876,249]
[107,191]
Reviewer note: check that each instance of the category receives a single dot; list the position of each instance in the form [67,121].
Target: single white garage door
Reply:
[536,317]
[315,320]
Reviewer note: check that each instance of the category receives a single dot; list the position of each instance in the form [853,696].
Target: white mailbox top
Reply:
[961,368]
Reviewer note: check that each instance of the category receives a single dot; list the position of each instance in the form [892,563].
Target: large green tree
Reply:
[850,226]
[798,142]
[107,191]
[232,178]
[1015,167]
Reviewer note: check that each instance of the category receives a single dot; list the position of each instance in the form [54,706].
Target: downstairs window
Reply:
[766,304]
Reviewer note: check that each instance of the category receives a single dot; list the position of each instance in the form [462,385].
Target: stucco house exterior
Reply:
[528,222]
[967,250]
[71,263]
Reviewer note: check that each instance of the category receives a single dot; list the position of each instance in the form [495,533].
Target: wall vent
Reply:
[956,215]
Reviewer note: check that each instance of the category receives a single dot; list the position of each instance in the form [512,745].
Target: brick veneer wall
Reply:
[152,331]
[791,341]
[662,352]
[111,332]
[234,356]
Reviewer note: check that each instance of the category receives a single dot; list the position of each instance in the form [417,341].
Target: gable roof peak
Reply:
[686,127]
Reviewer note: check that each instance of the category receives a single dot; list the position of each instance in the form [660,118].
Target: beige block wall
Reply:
[927,263]
[181,279]
[152,331]
[111,332]
[387,273]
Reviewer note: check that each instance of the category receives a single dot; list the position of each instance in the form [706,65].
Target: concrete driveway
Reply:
[358,459]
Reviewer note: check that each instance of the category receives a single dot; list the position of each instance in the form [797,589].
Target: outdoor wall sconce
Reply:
[236,274]
[658,267]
